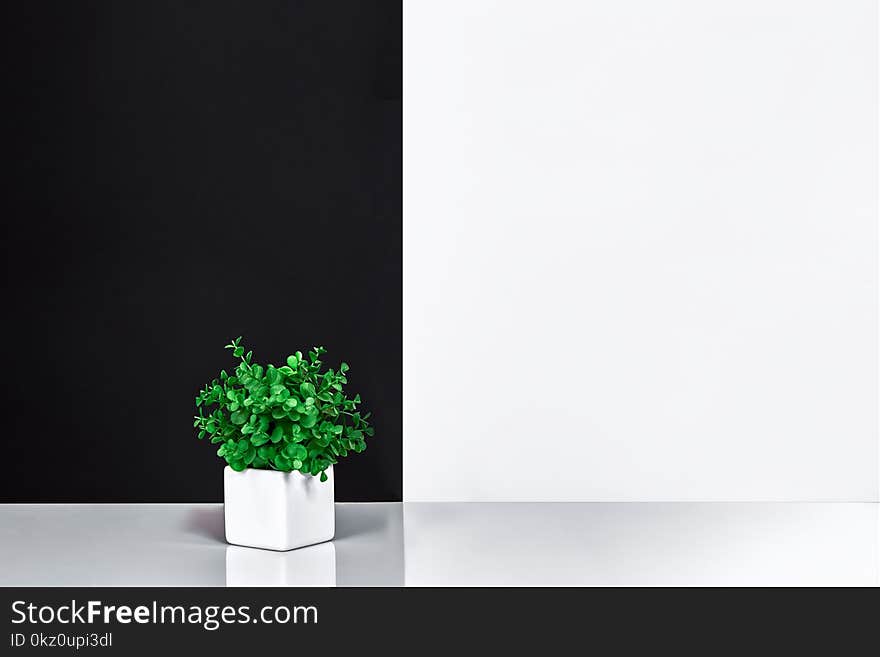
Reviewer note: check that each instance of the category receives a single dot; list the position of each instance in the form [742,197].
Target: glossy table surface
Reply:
[463,544]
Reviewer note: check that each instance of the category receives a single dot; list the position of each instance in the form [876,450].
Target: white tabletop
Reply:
[421,544]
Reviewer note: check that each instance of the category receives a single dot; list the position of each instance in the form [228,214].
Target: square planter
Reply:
[277,510]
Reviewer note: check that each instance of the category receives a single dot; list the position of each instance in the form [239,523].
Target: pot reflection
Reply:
[314,565]
[367,551]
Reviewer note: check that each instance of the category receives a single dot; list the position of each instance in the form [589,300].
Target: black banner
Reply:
[241,621]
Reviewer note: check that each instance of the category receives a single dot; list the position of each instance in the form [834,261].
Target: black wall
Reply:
[180,173]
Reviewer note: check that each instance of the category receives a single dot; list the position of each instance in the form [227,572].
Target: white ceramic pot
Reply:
[277,510]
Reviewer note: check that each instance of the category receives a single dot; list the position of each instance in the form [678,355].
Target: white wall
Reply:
[640,250]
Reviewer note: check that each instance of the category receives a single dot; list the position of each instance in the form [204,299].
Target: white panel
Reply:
[640,250]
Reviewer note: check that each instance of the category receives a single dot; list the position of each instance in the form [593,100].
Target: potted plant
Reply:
[280,430]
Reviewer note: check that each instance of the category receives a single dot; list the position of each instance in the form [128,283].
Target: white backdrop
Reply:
[640,250]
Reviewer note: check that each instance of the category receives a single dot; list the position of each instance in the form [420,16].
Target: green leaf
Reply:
[307,389]
[238,351]
[292,362]
[239,417]
[343,367]
[277,434]
[324,474]
[259,439]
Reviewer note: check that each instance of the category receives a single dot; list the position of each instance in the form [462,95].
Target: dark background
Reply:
[180,173]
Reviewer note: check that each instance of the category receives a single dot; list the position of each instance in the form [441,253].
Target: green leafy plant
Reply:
[293,417]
